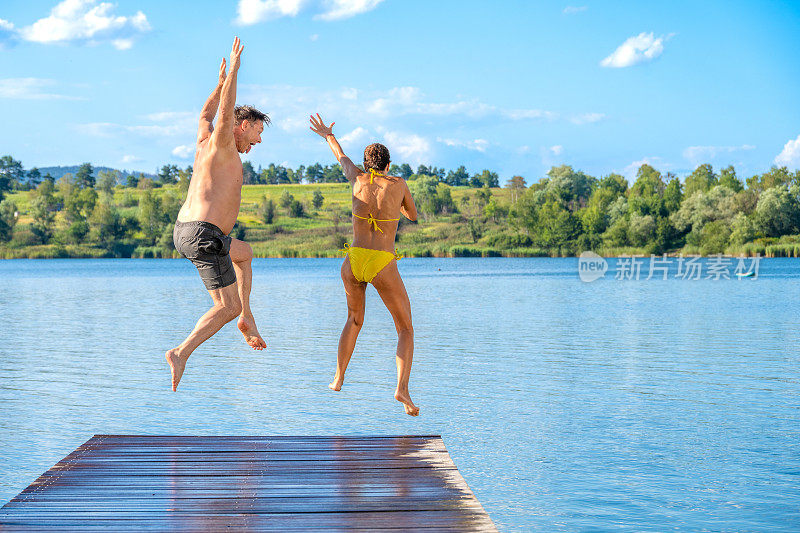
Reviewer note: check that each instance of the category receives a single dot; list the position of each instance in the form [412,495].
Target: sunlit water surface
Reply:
[643,405]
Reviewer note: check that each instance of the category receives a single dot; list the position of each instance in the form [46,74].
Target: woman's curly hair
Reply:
[376,156]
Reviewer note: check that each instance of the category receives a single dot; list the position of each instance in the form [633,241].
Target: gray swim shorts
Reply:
[208,248]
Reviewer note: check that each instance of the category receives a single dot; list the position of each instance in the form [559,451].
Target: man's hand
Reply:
[319,127]
[222,72]
[236,53]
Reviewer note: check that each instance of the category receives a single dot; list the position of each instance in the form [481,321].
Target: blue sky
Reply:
[514,86]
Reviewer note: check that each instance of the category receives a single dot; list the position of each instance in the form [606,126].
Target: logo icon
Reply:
[591,266]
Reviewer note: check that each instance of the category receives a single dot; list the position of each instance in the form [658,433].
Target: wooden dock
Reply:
[230,483]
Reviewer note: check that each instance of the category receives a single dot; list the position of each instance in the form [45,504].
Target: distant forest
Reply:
[101,212]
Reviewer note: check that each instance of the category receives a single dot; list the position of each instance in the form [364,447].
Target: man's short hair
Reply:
[376,156]
[250,114]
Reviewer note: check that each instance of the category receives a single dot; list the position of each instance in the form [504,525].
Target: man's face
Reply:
[251,135]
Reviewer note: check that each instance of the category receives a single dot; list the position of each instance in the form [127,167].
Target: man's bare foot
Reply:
[177,365]
[404,398]
[336,384]
[247,325]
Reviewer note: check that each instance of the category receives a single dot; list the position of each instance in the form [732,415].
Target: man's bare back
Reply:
[209,214]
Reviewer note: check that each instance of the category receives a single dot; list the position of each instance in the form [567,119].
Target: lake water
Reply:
[646,405]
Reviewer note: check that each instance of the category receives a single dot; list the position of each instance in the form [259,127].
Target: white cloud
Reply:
[184,151]
[411,147]
[571,10]
[477,145]
[88,22]
[163,124]
[557,149]
[342,9]
[790,155]
[697,155]
[29,89]
[7,33]
[636,49]
[357,136]
[587,118]
[349,93]
[255,11]
[314,37]
[128,159]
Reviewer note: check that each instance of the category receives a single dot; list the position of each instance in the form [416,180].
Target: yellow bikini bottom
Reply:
[366,263]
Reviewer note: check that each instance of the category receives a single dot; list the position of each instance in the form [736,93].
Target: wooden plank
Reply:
[129,482]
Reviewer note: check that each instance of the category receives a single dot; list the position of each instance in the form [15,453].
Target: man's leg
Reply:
[226,307]
[392,291]
[242,257]
[356,301]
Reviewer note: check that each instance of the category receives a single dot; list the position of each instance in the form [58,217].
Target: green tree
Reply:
[646,194]
[296,209]
[168,174]
[8,219]
[673,195]
[106,224]
[774,177]
[569,187]
[702,207]
[516,185]
[778,211]
[151,216]
[106,180]
[458,177]
[641,229]
[11,172]
[43,211]
[84,177]
[267,210]
[714,237]
[701,180]
[743,229]
[286,199]
[317,200]
[314,173]
[131,181]
[334,174]
[728,178]
[34,177]
[184,179]
[423,189]
[487,178]
[248,173]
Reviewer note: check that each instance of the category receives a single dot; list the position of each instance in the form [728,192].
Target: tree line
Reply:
[563,213]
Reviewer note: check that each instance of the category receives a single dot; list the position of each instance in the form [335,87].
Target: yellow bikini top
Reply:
[371,219]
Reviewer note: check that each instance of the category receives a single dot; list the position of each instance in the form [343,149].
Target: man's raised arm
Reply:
[210,108]
[224,131]
[326,132]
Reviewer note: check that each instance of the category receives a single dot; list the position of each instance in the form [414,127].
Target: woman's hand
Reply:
[319,127]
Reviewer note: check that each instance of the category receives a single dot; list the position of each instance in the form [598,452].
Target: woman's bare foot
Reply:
[177,365]
[247,325]
[404,398]
[336,384]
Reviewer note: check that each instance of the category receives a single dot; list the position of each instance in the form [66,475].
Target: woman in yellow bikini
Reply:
[378,202]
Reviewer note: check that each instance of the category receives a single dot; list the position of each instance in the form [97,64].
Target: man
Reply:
[209,214]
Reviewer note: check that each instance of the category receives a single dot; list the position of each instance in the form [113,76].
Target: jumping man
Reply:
[209,214]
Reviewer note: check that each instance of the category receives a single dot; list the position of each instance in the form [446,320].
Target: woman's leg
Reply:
[392,291]
[356,300]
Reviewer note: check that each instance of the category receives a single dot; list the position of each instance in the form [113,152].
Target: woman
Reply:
[378,201]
